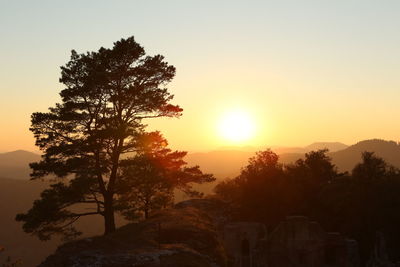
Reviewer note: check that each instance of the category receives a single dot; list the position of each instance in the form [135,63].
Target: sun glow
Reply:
[236,126]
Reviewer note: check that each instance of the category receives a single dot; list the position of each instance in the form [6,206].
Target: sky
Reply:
[303,71]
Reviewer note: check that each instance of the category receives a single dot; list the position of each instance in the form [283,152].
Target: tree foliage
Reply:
[268,191]
[85,137]
[357,204]
[148,179]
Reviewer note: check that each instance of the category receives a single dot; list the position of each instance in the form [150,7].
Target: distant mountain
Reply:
[17,157]
[346,159]
[288,150]
[228,163]
[331,146]
[16,164]
[289,158]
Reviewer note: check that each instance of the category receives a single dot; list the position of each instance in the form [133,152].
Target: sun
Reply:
[236,126]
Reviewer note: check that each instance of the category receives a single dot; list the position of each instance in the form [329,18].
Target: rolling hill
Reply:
[15,164]
[228,163]
[346,159]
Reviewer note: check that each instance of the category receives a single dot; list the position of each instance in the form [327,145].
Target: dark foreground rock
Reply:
[199,233]
[186,235]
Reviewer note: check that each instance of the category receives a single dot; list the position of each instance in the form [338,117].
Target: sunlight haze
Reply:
[306,70]
[236,126]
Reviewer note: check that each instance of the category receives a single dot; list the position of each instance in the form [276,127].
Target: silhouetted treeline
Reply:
[356,204]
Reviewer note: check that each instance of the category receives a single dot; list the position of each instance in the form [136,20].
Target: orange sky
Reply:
[315,71]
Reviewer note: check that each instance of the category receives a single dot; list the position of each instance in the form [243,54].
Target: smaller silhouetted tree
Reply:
[306,178]
[148,180]
[256,192]
[371,168]
[316,168]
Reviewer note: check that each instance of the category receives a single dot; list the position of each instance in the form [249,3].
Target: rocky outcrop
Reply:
[185,235]
[199,233]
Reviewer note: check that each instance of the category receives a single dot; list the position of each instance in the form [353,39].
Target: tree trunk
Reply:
[109,221]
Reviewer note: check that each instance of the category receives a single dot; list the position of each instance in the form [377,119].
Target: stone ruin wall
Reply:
[295,242]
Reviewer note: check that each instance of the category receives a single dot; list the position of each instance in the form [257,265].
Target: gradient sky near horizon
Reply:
[306,71]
